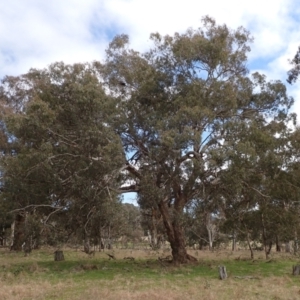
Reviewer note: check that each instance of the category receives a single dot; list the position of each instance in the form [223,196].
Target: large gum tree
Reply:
[180,105]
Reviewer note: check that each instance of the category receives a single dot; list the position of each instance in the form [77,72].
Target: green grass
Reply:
[102,268]
[78,273]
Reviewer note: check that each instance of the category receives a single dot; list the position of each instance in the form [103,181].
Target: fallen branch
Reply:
[111,256]
[246,277]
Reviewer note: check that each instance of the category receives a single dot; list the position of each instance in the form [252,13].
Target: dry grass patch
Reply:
[33,290]
[80,276]
[127,289]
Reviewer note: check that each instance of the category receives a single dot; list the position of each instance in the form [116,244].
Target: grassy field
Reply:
[37,276]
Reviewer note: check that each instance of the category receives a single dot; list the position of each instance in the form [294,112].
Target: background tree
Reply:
[68,156]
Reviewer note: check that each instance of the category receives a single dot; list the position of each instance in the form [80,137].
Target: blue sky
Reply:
[35,33]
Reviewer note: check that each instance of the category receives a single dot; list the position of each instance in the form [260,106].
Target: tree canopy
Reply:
[182,122]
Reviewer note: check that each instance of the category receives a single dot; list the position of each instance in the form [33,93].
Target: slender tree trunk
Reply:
[201,244]
[264,234]
[211,235]
[12,234]
[249,241]
[87,246]
[287,247]
[249,245]
[152,232]
[2,238]
[278,246]
[211,231]
[19,232]
[269,248]
[233,241]
[296,242]
[109,241]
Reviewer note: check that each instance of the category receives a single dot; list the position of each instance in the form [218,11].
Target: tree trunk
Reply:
[249,245]
[296,243]
[175,236]
[211,231]
[233,241]
[264,235]
[201,244]
[12,234]
[3,237]
[87,246]
[152,232]
[249,240]
[18,232]
[278,246]
[269,249]
[109,240]
[287,247]
[210,237]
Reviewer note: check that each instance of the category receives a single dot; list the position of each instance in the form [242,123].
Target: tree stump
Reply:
[222,272]
[59,255]
[296,270]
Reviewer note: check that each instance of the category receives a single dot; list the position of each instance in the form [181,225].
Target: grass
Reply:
[37,276]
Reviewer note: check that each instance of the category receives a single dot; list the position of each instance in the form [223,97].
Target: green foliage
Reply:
[67,154]
[181,123]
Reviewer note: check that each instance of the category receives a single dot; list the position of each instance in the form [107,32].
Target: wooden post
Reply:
[222,272]
[59,255]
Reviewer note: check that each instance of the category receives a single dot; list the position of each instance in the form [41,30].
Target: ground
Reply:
[38,276]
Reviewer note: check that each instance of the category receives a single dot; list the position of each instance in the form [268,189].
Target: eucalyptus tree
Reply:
[181,103]
[67,155]
[293,73]
[256,182]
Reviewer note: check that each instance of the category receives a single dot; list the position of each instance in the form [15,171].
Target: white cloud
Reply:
[34,33]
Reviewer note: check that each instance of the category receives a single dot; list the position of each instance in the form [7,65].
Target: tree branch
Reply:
[133,171]
[35,206]
[190,154]
[129,189]
[254,189]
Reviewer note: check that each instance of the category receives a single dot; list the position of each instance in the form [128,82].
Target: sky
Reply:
[36,33]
